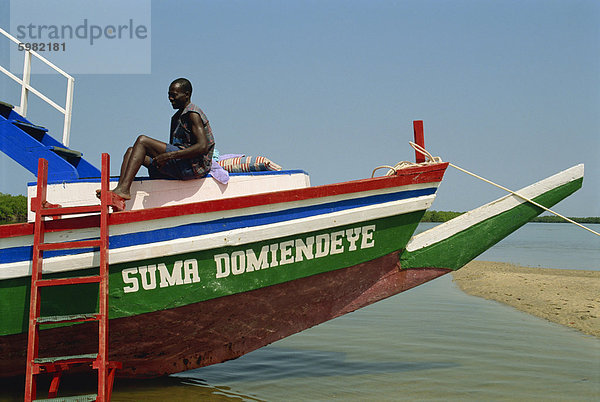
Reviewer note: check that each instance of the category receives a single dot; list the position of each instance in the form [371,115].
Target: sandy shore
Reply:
[567,297]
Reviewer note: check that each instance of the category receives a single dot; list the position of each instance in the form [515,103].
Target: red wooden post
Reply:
[419,139]
[102,360]
[37,204]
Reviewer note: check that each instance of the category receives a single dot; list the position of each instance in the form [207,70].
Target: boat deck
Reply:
[153,193]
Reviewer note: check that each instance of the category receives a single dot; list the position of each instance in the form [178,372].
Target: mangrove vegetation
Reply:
[13,208]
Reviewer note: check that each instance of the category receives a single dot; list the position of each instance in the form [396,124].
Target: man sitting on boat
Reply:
[189,153]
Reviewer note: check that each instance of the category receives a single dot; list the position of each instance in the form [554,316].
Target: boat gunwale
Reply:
[434,173]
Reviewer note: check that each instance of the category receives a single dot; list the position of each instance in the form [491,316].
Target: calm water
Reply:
[430,343]
[556,245]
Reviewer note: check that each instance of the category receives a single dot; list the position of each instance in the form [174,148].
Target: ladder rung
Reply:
[69,281]
[75,398]
[68,318]
[75,359]
[70,244]
[82,209]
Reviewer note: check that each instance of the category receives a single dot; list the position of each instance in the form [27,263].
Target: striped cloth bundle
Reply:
[246,164]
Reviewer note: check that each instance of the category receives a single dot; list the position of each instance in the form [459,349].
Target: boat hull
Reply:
[200,334]
[198,284]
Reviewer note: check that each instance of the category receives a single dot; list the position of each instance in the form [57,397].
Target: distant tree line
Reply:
[444,216]
[440,216]
[13,208]
[556,219]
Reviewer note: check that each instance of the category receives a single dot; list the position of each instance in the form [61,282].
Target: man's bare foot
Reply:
[115,192]
[119,193]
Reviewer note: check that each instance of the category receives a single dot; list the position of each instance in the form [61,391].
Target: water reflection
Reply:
[277,363]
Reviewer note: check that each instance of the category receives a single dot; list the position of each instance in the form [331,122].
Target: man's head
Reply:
[180,93]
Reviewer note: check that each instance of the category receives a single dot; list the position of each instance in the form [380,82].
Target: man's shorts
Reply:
[180,169]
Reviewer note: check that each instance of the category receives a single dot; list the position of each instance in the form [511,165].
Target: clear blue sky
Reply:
[507,89]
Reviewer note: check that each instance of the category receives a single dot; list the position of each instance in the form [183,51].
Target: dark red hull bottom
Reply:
[201,334]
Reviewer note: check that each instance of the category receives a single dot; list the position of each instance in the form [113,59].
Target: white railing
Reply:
[26,88]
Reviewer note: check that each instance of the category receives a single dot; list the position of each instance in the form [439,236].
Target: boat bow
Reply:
[453,244]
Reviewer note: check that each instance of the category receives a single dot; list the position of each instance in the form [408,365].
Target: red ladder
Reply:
[57,365]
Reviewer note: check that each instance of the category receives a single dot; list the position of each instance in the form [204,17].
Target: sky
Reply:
[509,90]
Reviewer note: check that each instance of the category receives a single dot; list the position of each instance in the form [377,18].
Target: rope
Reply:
[430,159]
[424,152]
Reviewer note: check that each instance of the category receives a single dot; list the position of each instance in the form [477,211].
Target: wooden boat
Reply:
[202,272]
[213,273]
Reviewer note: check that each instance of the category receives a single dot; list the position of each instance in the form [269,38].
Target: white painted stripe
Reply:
[465,221]
[227,238]
[19,241]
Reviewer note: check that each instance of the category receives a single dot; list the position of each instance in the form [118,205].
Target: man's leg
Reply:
[136,156]
[125,161]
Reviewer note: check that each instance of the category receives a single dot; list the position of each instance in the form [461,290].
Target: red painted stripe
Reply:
[413,175]
[26,229]
[416,175]
[16,229]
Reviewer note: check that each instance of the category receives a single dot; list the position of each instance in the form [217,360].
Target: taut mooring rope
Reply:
[424,152]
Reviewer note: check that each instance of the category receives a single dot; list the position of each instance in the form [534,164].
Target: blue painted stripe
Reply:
[203,228]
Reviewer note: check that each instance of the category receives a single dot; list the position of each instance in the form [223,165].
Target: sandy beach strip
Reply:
[567,297]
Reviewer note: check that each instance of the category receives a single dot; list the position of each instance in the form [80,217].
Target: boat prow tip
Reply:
[454,243]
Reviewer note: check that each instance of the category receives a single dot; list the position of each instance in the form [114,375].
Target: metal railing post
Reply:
[26,80]
[68,112]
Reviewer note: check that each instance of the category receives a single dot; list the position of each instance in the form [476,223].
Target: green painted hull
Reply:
[457,250]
